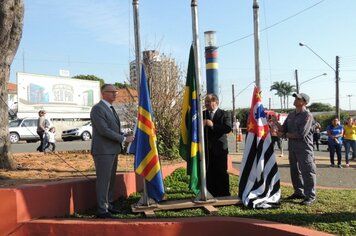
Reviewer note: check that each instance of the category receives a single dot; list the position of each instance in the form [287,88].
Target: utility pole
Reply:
[337,88]
[233,104]
[256,42]
[296,81]
[349,101]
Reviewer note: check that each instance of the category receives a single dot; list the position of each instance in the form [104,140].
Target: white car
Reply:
[84,133]
[324,137]
[24,129]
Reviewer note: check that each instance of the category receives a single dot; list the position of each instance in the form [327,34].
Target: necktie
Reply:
[115,114]
[211,115]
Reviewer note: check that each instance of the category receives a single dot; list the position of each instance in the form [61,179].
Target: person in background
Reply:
[335,134]
[350,139]
[298,128]
[316,135]
[275,133]
[42,127]
[236,126]
[217,124]
[51,139]
[106,144]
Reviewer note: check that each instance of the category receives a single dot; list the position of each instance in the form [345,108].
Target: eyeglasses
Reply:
[112,92]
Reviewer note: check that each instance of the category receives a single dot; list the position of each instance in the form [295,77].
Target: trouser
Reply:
[349,144]
[332,149]
[105,167]
[41,134]
[303,172]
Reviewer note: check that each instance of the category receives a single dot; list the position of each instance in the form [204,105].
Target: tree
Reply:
[11,25]
[278,86]
[166,89]
[287,90]
[318,106]
[90,77]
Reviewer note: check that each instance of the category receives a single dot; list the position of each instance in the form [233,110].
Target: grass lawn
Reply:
[334,212]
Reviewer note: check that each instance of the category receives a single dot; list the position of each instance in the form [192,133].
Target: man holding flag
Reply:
[259,183]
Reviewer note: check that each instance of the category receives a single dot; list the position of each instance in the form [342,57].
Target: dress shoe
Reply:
[295,196]
[106,215]
[308,201]
[114,211]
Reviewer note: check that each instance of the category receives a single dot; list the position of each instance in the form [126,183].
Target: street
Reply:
[60,146]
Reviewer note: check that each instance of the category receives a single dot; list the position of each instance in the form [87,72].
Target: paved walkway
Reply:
[326,176]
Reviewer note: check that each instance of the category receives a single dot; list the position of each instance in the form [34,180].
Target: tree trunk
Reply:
[11,24]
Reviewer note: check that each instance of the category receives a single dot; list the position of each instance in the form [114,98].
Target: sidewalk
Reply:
[326,176]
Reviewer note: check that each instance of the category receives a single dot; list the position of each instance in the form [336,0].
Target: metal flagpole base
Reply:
[209,198]
[146,202]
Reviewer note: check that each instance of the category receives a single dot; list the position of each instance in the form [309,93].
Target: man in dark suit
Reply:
[217,123]
[106,145]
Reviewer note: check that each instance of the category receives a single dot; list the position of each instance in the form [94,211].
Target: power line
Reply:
[275,24]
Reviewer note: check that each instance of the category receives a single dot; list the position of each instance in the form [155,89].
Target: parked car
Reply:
[84,133]
[324,137]
[24,129]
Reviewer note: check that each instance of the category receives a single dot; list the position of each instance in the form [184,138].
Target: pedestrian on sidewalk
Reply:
[350,139]
[51,139]
[316,135]
[298,128]
[274,133]
[335,134]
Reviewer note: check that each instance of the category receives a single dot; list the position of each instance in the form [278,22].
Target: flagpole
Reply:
[257,42]
[144,199]
[204,194]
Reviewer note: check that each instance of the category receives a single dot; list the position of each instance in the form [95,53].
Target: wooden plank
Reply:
[187,203]
[149,213]
[210,209]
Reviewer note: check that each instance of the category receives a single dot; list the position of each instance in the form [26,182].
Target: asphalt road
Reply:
[60,146]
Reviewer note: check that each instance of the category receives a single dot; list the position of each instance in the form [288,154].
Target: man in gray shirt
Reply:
[298,128]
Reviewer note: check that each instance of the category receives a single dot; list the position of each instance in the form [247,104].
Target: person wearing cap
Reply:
[42,125]
[298,128]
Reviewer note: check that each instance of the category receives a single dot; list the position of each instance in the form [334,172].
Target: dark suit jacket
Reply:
[216,136]
[107,137]
[216,150]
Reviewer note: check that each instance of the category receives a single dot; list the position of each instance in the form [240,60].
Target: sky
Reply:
[96,37]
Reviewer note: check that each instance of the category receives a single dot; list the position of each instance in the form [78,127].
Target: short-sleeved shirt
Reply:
[350,132]
[301,125]
[335,130]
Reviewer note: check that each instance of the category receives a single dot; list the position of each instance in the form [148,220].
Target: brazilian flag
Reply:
[189,137]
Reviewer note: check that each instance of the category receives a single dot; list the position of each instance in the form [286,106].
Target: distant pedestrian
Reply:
[42,127]
[316,135]
[275,134]
[335,134]
[51,139]
[350,139]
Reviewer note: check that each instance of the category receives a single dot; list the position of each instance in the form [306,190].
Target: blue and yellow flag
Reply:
[144,147]
[189,137]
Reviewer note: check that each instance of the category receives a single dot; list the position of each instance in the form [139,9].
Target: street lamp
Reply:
[336,70]
[312,79]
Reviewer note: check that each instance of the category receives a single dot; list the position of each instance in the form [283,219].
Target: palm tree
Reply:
[288,89]
[278,86]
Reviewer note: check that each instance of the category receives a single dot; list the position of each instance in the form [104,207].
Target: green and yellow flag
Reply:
[189,137]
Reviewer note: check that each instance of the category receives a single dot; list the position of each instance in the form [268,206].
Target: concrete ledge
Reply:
[22,206]
[53,199]
[207,226]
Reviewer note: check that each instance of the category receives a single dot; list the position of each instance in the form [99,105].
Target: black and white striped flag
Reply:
[259,182]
